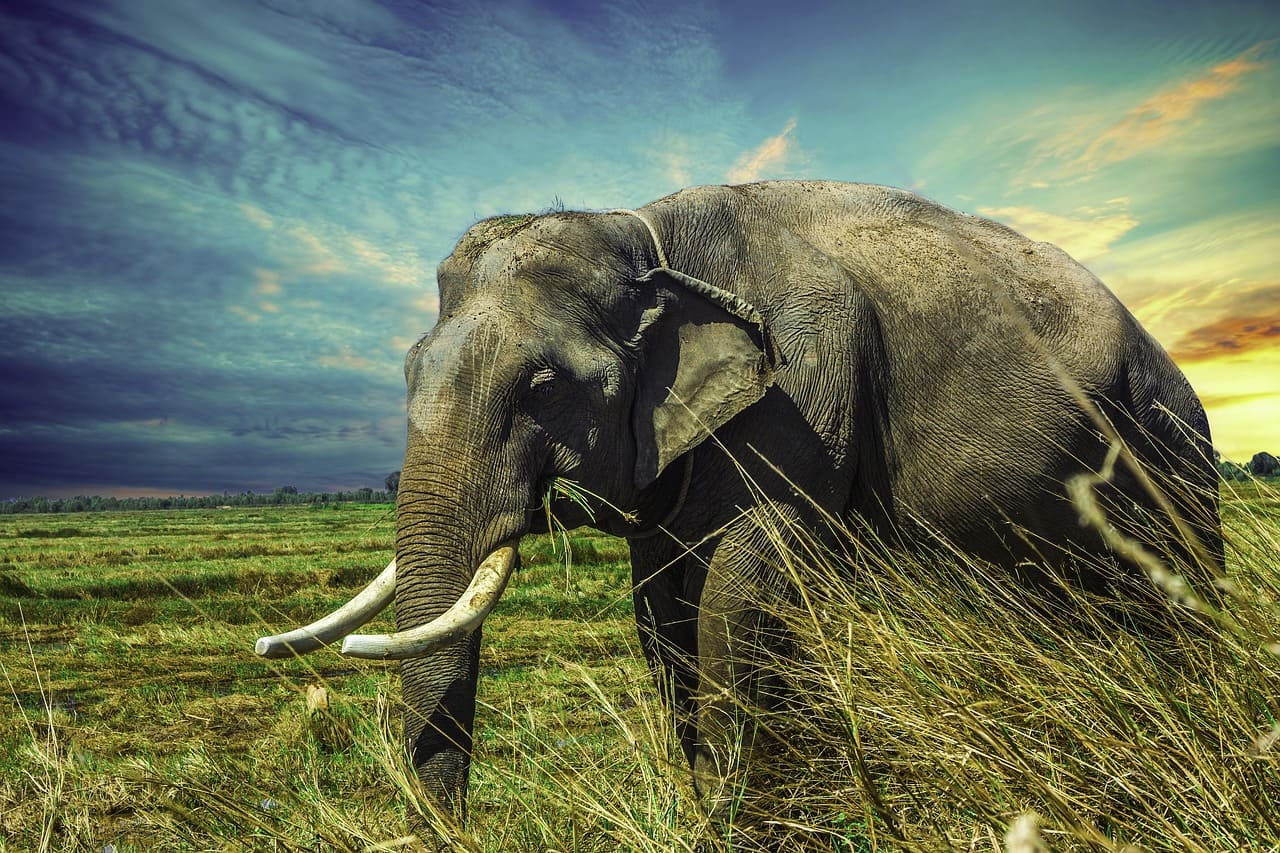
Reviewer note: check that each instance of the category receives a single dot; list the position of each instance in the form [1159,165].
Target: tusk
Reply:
[368,603]
[454,624]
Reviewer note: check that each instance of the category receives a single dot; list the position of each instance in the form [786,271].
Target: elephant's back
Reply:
[934,269]
[961,297]
[979,326]
[977,295]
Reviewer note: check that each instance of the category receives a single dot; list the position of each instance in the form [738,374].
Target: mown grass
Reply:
[126,645]
[941,708]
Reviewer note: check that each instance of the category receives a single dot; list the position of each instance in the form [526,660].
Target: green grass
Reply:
[136,630]
[943,709]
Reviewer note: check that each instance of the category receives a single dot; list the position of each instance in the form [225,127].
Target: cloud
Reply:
[425,303]
[672,157]
[310,253]
[216,424]
[1223,401]
[234,214]
[400,267]
[677,168]
[1074,134]
[347,359]
[268,282]
[1084,236]
[331,249]
[1170,111]
[1154,135]
[257,216]
[1207,291]
[1229,335]
[1253,324]
[244,313]
[771,155]
[1226,339]
[1194,274]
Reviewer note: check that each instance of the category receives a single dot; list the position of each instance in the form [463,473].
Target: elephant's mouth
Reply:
[454,624]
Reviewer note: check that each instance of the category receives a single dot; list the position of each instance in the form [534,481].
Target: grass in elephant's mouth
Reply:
[943,708]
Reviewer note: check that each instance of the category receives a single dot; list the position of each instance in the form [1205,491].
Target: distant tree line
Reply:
[283,496]
[1262,465]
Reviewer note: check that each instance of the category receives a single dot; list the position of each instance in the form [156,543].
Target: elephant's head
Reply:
[565,348]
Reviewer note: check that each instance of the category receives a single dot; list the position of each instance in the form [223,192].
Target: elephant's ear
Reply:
[707,356]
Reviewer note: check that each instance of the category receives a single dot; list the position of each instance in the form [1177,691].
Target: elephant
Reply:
[797,349]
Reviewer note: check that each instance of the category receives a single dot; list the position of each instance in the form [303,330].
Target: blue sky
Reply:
[221,221]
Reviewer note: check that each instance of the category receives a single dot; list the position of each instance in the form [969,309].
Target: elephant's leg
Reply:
[737,642]
[667,619]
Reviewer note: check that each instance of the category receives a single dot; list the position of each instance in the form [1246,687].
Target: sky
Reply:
[220,222]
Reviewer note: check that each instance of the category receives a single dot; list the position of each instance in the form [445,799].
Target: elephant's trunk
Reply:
[461,619]
[455,554]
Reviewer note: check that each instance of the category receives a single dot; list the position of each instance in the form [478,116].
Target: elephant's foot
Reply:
[729,804]
[718,787]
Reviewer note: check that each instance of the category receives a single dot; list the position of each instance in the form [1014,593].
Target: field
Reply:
[944,709]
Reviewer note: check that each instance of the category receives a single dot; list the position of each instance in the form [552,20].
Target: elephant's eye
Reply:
[542,379]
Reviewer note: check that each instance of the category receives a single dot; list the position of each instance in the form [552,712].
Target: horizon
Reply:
[145,493]
[222,227]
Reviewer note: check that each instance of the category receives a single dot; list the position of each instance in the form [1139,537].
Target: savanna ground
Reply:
[943,709]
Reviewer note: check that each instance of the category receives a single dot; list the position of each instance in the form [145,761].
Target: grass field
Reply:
[138,719]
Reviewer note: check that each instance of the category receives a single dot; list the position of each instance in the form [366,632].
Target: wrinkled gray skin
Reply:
[903,391]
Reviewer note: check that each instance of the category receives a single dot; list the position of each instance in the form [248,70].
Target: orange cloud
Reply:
[1252,323]
[771,154]
[1228,335]
[1069,140]
[1166,113]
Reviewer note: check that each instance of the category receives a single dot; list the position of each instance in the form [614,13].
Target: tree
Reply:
[393,482]
[1232,471]
[1264,465]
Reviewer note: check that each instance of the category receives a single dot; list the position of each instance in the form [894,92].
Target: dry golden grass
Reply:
[941,710]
